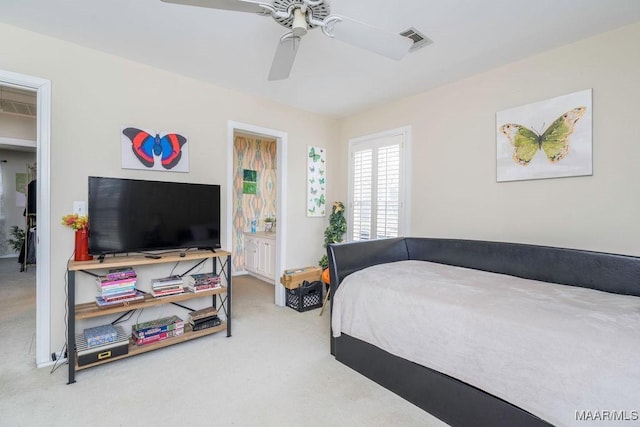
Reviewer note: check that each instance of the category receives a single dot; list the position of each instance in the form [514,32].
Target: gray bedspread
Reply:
[563,353]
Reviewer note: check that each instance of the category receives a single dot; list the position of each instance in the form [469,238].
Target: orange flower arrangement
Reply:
[75,221]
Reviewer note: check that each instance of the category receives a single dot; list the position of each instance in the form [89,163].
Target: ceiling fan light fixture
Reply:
[301,15]
[299,27]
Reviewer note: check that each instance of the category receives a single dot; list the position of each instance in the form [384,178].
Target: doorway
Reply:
[42,88]
[280,138]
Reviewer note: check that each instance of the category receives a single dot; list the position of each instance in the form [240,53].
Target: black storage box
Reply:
[101,354]
[306,297]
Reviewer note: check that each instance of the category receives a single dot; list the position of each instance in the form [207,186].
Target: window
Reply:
[377,186]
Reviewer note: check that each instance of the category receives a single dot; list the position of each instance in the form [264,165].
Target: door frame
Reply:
[43,216]
[281,198]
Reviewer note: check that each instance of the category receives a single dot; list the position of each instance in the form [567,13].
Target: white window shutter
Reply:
[362,194]
[388,192]
[376,188]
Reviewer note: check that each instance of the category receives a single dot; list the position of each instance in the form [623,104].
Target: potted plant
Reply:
[335,231]
[17,238]
[269,222]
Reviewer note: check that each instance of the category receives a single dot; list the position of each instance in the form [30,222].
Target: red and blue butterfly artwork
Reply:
[145,149]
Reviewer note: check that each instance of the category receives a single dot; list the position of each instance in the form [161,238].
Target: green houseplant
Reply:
[335,231]
[269,222]
[17,237]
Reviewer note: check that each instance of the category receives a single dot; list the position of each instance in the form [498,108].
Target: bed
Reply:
[492,333]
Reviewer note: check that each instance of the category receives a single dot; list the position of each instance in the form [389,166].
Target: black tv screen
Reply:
[128,215]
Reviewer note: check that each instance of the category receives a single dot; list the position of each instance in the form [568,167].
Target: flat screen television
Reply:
[128,215]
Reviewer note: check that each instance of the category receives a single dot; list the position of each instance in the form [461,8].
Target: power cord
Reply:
[65,346]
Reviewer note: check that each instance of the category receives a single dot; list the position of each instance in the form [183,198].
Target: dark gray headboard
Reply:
[346,258]
[597,270]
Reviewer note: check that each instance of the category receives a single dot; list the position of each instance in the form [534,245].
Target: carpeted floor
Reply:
[17,317]
[275,370]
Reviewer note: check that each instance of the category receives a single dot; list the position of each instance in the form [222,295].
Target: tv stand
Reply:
[221,259]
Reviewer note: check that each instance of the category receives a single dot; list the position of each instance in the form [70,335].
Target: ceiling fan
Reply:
[302,15]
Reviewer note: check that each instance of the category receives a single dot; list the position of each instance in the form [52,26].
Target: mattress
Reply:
[563,353]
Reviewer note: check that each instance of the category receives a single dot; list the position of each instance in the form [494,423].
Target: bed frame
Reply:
[451,400]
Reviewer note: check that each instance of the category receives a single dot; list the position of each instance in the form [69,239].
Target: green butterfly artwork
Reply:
[315,156]
[545,139]
[316,168]
[554,141]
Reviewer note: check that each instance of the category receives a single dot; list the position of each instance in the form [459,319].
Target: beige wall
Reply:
[94,94]
[454,188]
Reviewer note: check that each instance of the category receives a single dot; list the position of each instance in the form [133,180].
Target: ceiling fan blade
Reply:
[365,36]
[237,5]
[285,55]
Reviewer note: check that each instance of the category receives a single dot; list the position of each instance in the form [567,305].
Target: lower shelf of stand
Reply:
[134,350]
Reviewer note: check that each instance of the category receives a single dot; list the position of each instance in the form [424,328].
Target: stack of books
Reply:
[204,318]
[117,286]
[157,330]
[166,286]
[203,282]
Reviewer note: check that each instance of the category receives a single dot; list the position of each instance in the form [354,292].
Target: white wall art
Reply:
[316,181]
[546,139]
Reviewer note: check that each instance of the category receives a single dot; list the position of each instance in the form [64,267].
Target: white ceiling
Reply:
[234,50]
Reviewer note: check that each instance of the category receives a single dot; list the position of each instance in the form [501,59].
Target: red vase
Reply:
[82,246]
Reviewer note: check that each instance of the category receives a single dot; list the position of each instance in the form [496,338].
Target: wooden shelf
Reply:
[130,261]
[91,309]
[134,350]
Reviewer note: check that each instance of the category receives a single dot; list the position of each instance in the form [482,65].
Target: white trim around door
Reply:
[43,219]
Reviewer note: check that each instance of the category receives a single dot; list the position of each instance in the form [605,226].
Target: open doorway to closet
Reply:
[256,194]
[39,92]
[18,173]
[18,150]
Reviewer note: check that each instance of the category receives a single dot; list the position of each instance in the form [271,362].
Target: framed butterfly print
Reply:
[546,139]
[154,150]
[316,181]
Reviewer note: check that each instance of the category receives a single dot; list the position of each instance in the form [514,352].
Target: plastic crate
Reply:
[306,297]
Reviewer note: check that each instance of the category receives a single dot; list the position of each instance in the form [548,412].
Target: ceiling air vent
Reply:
[419,39]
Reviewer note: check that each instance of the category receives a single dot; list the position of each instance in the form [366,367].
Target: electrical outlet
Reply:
[80,208]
